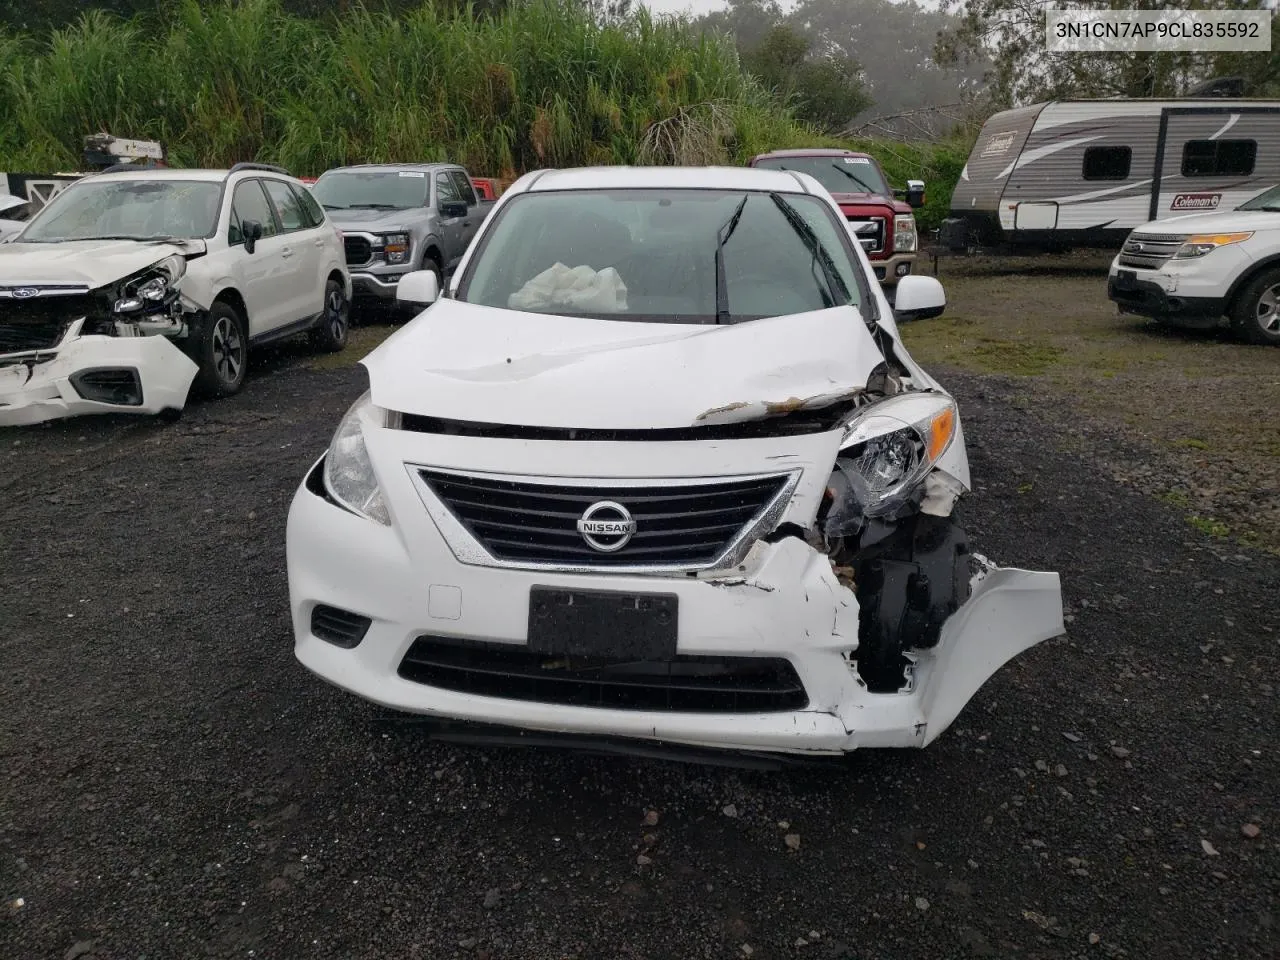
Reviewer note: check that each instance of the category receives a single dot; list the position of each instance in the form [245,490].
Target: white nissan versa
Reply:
[657,468]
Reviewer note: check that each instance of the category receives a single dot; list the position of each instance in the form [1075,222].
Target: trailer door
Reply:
[1214,158]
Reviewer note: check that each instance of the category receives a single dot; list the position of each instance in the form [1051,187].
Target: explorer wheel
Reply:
[335,324]
[1255,316]
[222,352]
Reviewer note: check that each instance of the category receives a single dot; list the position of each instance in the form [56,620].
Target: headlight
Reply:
[904,234]
[152,287]
[887,451]
[1199,244]
[348,472]
[395,247]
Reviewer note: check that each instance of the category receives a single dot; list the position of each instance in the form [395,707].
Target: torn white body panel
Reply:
[466,362]
[43,385]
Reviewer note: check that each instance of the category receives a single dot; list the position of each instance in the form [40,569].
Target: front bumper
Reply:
[893,269]
[1193,290]
[366,285]
[41,386]
[783,602]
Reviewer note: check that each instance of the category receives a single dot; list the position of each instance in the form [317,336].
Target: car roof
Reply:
[397,166]
[814,152]
[666,178]
[176,173]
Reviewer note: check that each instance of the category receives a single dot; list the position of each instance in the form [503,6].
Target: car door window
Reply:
[465,190]
[250,203]
[287,206]
[446,189]
[310,206]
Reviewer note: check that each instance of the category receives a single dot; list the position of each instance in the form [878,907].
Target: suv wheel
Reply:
[222,352]
[335,322]
[1255,316]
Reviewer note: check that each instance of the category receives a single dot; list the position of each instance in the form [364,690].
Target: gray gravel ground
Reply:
[174,785]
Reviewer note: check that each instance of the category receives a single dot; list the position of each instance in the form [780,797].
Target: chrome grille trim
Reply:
[1149,251]
[469,550]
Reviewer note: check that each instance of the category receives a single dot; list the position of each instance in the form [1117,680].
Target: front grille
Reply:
[1149,251]
[358,249]
[686,525]
[38,323]
[686,684]
[869,231]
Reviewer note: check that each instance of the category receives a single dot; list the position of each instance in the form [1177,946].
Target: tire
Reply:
[1255,316]
[222,352]
[335,322]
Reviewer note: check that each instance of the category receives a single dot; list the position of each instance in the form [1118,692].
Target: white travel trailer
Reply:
[1086,172]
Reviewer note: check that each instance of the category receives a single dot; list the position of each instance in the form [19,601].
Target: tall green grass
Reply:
[542,84]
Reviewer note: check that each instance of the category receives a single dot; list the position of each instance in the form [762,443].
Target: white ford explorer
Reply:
[131,285]
[657,468]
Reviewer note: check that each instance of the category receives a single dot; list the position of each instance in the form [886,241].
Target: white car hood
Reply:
[461,361]
[1228,221]
[93,263]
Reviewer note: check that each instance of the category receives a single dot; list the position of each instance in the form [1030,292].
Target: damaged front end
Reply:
[67,350]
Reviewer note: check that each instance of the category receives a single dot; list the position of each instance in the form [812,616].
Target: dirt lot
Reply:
[173,785]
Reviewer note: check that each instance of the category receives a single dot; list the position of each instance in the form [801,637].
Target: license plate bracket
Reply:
[603,623]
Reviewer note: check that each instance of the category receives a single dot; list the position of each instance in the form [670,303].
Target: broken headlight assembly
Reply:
[888,450]
[151,291]
[348,471]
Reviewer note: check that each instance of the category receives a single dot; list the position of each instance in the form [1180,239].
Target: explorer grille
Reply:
[685,525]
[1149,251]
[686,684]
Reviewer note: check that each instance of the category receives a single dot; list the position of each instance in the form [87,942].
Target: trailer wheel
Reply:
[1255,315]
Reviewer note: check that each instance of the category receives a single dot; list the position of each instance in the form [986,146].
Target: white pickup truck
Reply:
[1192,271]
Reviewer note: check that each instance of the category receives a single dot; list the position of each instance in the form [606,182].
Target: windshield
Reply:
[372,189]
[673,256]
[1268,200]
[837,174]
[93,209]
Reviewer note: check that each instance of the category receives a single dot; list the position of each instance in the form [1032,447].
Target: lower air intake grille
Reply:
[339,627]
[680,524]
[119,386]
[683,685]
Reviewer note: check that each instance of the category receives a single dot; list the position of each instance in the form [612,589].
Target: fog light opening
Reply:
[119,386]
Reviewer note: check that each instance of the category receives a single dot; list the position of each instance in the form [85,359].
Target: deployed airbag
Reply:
[580,290]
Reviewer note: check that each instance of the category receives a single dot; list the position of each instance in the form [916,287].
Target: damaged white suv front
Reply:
[657,468]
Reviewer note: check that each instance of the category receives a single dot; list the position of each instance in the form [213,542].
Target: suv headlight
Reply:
[904,234]
[1197,245]
[150,289]
[348,471]
[395,247]
[888,450]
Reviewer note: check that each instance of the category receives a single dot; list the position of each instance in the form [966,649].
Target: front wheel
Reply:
[1255,316]
[335,324]
[222,352]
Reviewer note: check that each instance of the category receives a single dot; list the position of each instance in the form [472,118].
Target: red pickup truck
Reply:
[883,224]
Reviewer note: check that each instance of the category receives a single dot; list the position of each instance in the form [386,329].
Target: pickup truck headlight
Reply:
[1197,245]
[395,247]
[152,288]
[348,471]
[888,450]
[904,234]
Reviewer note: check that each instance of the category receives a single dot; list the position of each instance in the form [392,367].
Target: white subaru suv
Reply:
[133,285]
[1192,271]
[657,468]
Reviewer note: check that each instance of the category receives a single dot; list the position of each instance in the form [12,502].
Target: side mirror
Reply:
[918,298]
[252,231]
[453,208]
[915,193]
[420,288]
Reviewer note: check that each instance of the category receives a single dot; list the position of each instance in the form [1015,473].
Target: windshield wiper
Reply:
[856,179]
[373,206]
[722,237]
[334,206]
[836,290]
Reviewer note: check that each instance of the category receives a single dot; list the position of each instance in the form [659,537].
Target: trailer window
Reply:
[1218,158]
[1107,163]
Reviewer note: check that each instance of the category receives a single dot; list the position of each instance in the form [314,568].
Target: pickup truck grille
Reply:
[869,231]
[38,323]
[676,525]
[1149,251]
[358,249]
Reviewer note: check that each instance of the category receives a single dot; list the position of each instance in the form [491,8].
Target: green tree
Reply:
[826,89]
